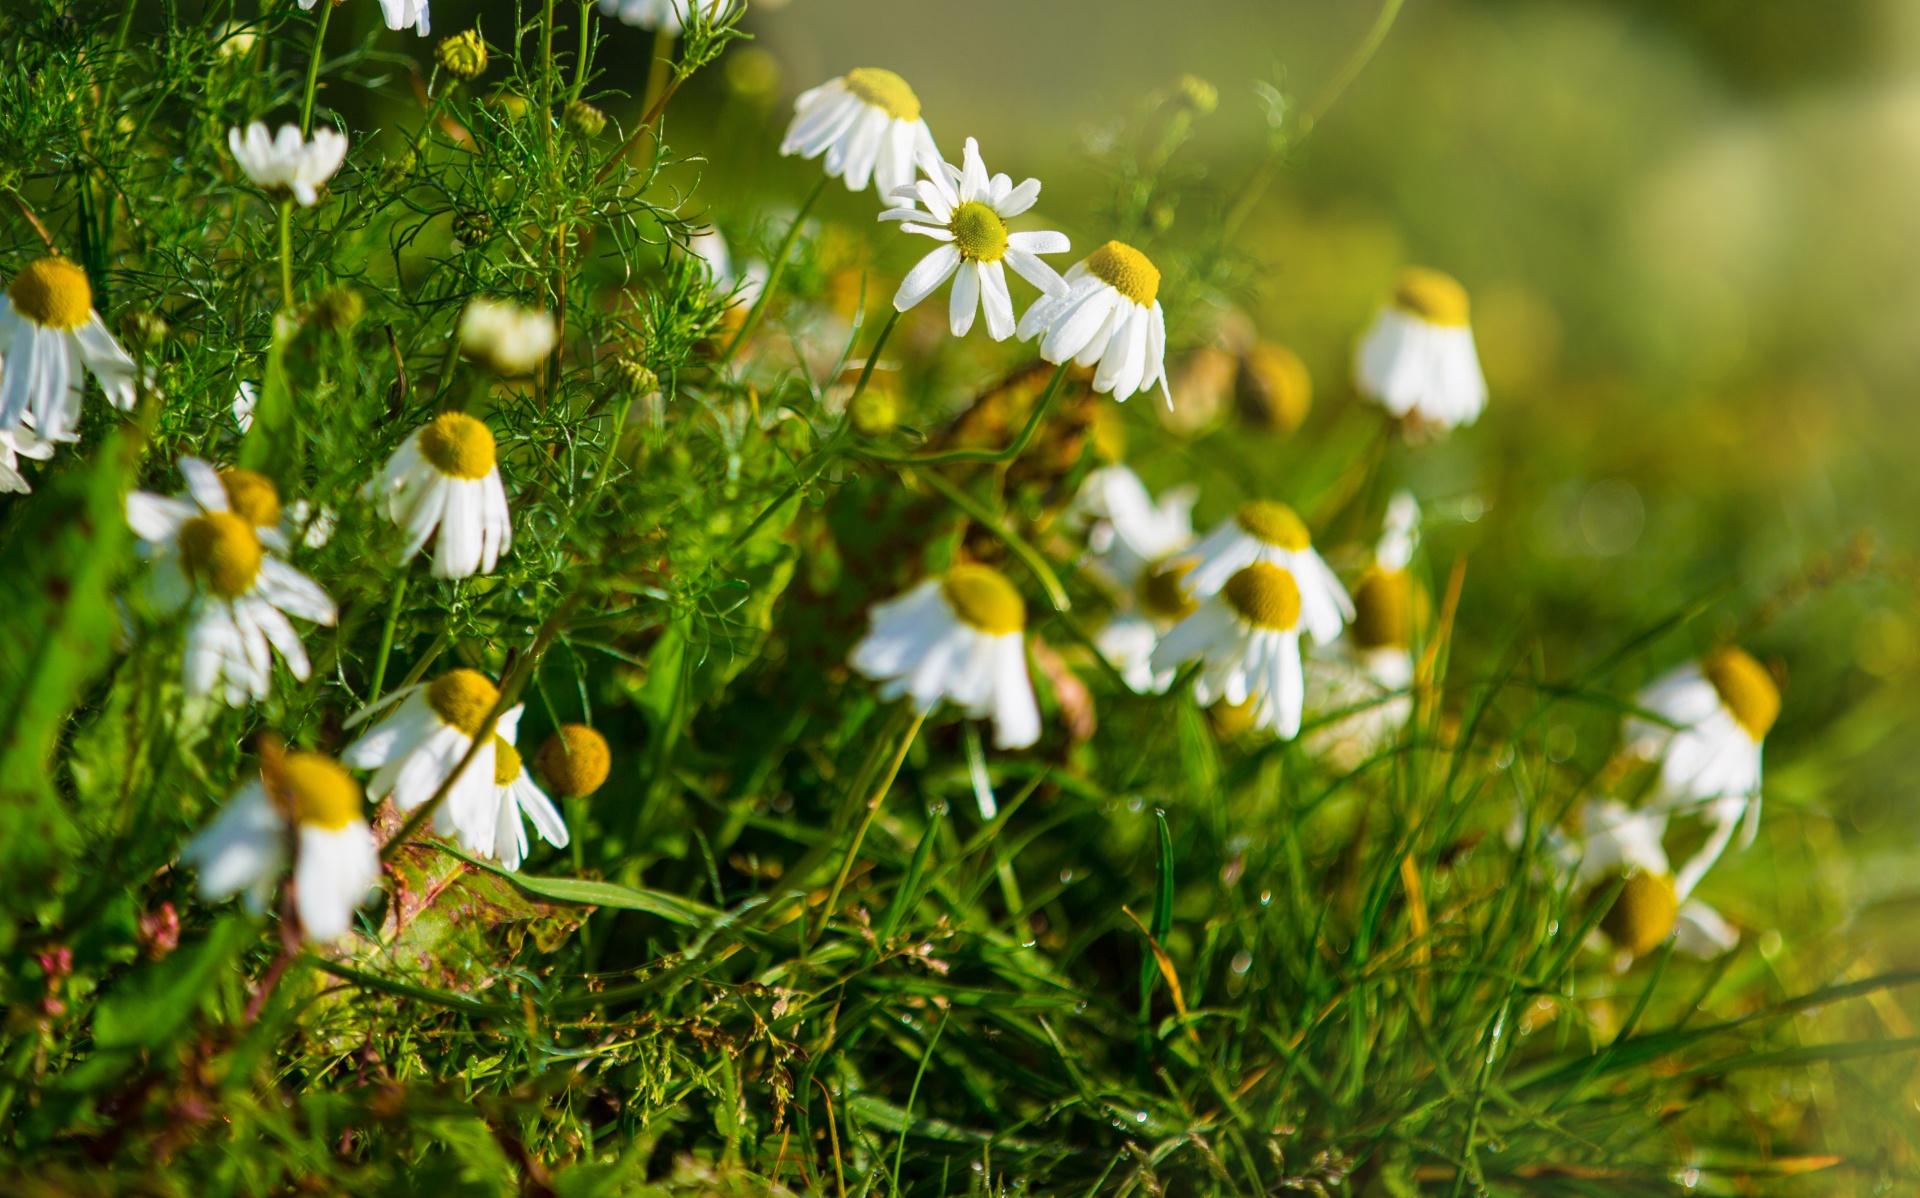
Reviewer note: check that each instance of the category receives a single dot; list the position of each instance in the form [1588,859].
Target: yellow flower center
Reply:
[458,446]
[221,552]
[1383,610]
[53,293]
[1265,595]
[1274,523]
[1127,271]
[886,91]
[328,796]
[574,761]
[1745,687]
[506,761]
[978,232]
[1160,592]
[1434,297]
[252,496]
[984,598]
[1644,913]
[462,699]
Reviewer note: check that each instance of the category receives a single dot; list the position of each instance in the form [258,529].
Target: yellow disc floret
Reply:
[1274,523]
[1745,687]
[53,293]
[1265,595]
[1433,296]
[978,232]
[506,761]
[325,793]
[462,699]
[1127,271]
[252,496]
[221,553]
[1644,913]
[1383,610]
[886,91]
[574,761]
[1160,592]
[984,598]
[458,446]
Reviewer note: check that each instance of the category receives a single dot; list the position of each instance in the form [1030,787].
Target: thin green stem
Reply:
[547,74]
[779,268]
[1008,454]
[386,641]
[586,44]
[313,67]
[860,834]
[1028,555]
[913,1092]
[286,255]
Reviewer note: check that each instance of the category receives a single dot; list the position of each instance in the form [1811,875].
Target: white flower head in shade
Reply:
[336,861]
[1653,903]
[1370,668]
[516,794]
[668,16]
[1418,359]
[210,548]
[1135,545]
[961,637]
[511,339]
[446,476]
[287,164]
[16,444]
[398,13]
[1265,531]
[1247,638]
[968,211]
[1109,318]
[423,734]
[50,339]
[868,124]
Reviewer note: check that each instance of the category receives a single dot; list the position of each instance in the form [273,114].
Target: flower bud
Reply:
[574,761]
[141,327]
[338,309]
[1196,95]
[874,413]
[464,55]
[635,376]
[1272,389]
[471,226]
[1644,913]
[584,120]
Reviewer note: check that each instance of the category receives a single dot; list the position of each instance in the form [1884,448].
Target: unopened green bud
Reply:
[141,327]
[472,226]
[338,309]
[635,376]
[584,120]
[1196,95]
[875,413]
[464,55]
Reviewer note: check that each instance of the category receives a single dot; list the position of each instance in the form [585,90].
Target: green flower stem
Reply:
[1028,555]
[586,44]
[860,834]
[286,255]
[1008,454]
[313,67]
[386,641]
[779,269]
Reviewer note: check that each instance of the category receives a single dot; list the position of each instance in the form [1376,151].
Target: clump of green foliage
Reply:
[787,946]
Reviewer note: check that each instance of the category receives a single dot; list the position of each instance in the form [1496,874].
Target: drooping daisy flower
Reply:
[1247,638]
[1265,531]
[959,637]
[336,862]
[425,732]
[1653,902]
[1370,668]
[969,211]
[446,476]
[511,339]
[868,124]
[16,444]
[1418,358]
[1110,316]
[287,164]
[209,548]
[514,794]
[669,16]
[1135,546]
[50,337]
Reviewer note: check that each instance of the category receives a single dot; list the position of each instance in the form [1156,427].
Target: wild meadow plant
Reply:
[493,701]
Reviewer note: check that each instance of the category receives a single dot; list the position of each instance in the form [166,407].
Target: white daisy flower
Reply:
[669,16]
[1418,358]
[501,334]
[16,444]
[209,548]
[1370,668]
[515,793]
[868,124]
[246,397]
[1265,531]
[969,211]
[1247,639]
[1111,317]
[1135,545]
[50,338]
[446,476]
[336,862]
[959,637]
[1654,903]
[288,164]
[398,13]
[424,733]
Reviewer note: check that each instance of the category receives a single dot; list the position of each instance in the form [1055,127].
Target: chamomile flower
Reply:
[1110,317]
[968,211]
[286,164]
[669,16]
[1135,545]
[50,338]
[398,13]
[868,124]
[515,794]
[16,444]
[446,476]
[423,733]
[510,339]
[1273,533]
[1653,902]
[1247,638]
[960,637]
[336,862]
[1418,359]
[1370,668]
[210,552]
